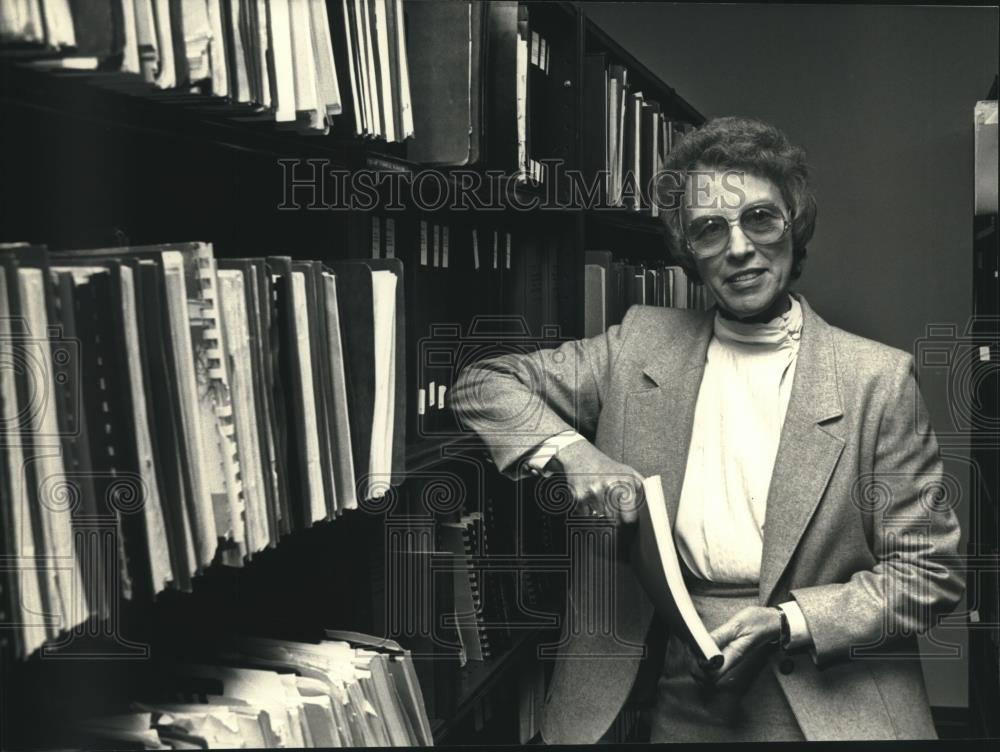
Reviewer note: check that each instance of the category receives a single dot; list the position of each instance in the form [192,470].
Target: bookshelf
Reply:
[91,160]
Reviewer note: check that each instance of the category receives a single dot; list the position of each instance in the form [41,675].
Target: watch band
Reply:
[785,633]
[786,630]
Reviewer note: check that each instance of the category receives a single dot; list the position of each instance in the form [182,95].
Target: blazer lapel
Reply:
[659,419]
[807,452]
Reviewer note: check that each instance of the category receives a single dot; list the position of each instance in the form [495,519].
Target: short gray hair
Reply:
[738,143]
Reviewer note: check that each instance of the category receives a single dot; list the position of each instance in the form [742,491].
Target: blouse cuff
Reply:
[799,635]
[537,459]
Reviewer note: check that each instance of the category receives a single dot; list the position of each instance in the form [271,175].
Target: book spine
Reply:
[215,350]
[470,538]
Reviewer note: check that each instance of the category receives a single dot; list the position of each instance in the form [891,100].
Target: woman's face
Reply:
[747,278]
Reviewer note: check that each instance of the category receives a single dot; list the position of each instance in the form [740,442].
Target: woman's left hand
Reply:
[740,638]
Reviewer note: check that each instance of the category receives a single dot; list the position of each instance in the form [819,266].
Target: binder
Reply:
[62,587]
[154,515]
[453,541]
[649,144]
[97,27]
[69,384]
[356,305]
[595,321]
[472,540]
[354,297]
[340,426]
[501,107]
[441,42]
[317,416]
[169,445]
[264,345]
[611,299]
[197,355]
[397,414]
[540,99]
[596,162]
[21,595]
[500,590]
[239,343]
[322,379]
[295,369]
[106,423]
[478,45]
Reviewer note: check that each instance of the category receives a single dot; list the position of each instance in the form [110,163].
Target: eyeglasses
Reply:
[709,235]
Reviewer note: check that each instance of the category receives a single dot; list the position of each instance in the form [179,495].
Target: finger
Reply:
[594,502]
[619,498]
[731,659]
[736,655]
[591,505]
[639,480]
[601,503]
[584,505]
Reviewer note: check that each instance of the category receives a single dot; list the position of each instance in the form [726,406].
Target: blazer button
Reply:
[786,666]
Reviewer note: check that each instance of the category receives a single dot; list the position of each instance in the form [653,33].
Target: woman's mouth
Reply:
[745,278]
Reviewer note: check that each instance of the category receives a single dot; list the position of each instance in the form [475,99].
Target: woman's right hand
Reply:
[600,486]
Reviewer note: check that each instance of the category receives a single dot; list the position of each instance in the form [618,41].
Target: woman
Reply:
[797,464]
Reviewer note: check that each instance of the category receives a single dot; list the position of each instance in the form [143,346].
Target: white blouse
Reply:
[741,407]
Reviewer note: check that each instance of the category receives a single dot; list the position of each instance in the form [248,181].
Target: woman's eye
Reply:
[760,218]
[709,228]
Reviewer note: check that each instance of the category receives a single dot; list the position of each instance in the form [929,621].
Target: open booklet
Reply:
[659,571]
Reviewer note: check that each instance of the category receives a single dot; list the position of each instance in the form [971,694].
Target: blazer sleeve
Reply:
[915,534]
[515,402]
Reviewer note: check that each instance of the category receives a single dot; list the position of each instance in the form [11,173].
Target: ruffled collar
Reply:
[785,329]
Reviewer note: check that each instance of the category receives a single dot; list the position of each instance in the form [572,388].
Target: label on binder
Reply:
[507,252]
[437,245]
[444,246]
[421,401]
[390,237]
[431,392]
[475,248]
[984,353]
[376,236]
[423,243]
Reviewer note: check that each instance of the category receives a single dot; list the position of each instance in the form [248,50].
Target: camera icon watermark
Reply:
[468,361]
[45,371]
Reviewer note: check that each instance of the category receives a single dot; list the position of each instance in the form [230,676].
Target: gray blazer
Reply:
[854,530]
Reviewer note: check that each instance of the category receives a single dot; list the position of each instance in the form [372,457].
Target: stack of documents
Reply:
[350,690]
[198,409]
[302,61]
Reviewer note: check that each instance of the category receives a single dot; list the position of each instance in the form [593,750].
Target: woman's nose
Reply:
[739,244]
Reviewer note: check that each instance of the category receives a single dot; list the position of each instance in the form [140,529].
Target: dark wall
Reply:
[881,98]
